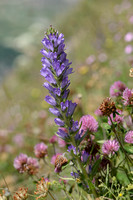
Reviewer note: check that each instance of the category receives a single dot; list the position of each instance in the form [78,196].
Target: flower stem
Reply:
[51,195]
[126,155]
[91,186]
[68,124]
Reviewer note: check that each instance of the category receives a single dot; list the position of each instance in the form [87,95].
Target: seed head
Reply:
[107,107]
[21,194]
[42,188]
[2,196]
[32,166]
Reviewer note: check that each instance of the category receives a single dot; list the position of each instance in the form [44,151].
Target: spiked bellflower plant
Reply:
[56,68]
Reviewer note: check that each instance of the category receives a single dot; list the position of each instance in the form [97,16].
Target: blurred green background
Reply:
[94,33]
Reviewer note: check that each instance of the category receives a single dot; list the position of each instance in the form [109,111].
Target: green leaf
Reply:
[107,175]
[101,141]
[122,177]
[105,126]
[114,115]
[82,138]
[70,179]
[95,167]
[129,149]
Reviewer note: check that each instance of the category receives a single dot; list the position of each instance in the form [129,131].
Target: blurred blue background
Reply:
[21,21]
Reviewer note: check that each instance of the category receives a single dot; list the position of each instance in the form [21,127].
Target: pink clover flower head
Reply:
[131,19]
[128,97]
[118,118]
[18,140]
[53,139]
[54,158]
[129,49]
[128,37]
[110,147]
[40,150]
[20,162]
[117,88]
[32,165]
[129,137]
[61,142]
[91,59]
[88,123]
[98,112]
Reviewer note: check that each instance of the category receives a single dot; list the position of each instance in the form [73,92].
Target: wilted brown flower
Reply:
[104,163]
[59,162]
[107,107]
[21,194]
[42,188]
[92,147]
[32,166]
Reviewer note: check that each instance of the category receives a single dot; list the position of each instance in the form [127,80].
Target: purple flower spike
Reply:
[64,105]
[50,100]
[74,174]
[62,134]
[85,156]
[110,147]
[72,148]
[48,86]
[66,93]
[55,111]
[78,137]
[57,91]
[59,122]
[65,82]
[75,126]
[48,44]
[56,69]
[129,137]
[71,108]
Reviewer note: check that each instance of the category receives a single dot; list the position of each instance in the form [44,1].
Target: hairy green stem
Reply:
[68,124]
[91,186]
[126,155]
[51,195]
